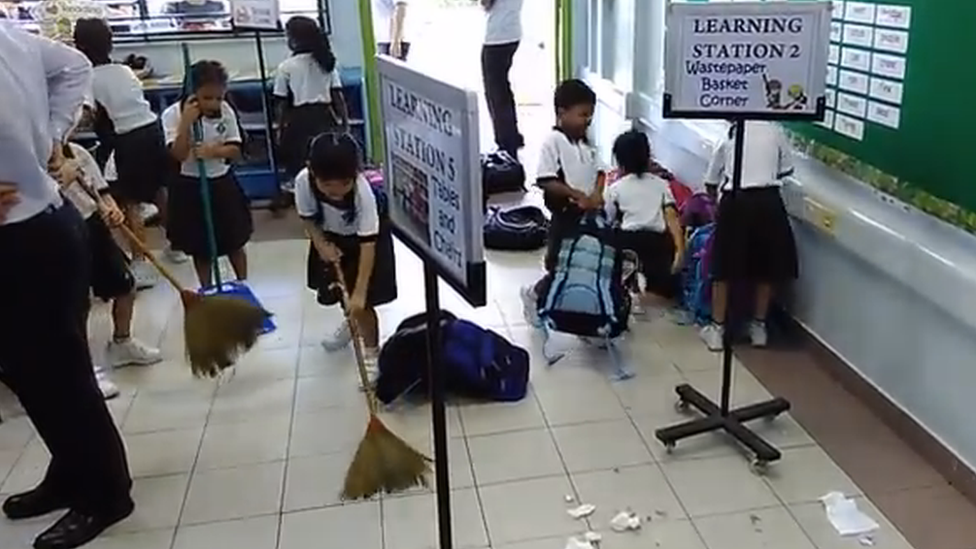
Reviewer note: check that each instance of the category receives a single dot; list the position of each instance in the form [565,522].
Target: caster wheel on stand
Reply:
[668,447]
[682,407]
[759,467]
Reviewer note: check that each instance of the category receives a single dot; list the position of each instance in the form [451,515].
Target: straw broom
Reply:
[383,462]
[216,328]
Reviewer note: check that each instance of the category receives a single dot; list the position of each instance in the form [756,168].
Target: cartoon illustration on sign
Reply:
[774,90]
[798,97]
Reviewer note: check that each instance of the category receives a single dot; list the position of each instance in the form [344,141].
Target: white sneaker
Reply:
[339,339]
[712,336]
[131,352]
[144,273]
[637,306]
[757,333]
[175,256]
[371,358]
[530,305]
[107,387]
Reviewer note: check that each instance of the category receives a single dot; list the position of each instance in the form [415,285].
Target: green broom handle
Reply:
[204,182]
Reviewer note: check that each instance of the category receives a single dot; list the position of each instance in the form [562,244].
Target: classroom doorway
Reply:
[447,36]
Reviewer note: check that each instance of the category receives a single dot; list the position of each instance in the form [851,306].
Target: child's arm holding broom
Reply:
[368,230]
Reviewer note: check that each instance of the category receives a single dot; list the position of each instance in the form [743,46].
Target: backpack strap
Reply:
[556,288]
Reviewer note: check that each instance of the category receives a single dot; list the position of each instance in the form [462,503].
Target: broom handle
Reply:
[139,245]
[205,197]
[357,345]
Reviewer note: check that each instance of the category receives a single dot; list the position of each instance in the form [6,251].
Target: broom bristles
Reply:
[384,463]
[218,329]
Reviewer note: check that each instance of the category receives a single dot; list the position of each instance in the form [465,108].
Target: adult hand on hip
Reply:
[9,197]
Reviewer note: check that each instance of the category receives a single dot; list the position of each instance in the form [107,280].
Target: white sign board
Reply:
[255,14]
[746,59]
[433,172]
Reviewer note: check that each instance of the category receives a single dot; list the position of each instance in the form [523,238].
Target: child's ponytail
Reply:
[304,36]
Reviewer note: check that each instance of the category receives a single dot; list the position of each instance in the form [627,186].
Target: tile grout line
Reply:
[291,429]
[474,479]
[193,468]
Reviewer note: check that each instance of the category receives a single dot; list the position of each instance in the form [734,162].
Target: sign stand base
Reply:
[718,417]
[437,403]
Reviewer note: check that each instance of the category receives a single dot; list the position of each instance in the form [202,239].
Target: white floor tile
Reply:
[154,539]
[717,485]
[315,481]
[598,446]
[169,410]
[233,444]
[16,433]
[528,510]
[813,520]
[570,404]
[773,528]
[673,534]
[240,492]
[158,502]
[411,522]
[163,452]
[251,533]
[491,418]
[514,456]
[327,432]
[29,469]
[316,394]
[642,489]
[248,399]
[268,365]
[350,526]
[806,474]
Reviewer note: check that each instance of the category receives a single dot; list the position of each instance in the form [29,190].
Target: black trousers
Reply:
[496,63]
[45,361]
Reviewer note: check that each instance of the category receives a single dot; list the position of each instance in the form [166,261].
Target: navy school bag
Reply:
[478,363]
[586,294]
[522,228]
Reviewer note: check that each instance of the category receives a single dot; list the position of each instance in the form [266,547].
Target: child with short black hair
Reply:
[129,130]
[220,145]
[111,279]
[308,88]
[346,224]
[643,206]
[570,174]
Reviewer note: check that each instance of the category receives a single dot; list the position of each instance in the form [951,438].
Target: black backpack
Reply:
[501,173]
[522,228]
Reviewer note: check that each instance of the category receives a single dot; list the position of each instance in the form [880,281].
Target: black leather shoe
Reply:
[34,503]
[77,528]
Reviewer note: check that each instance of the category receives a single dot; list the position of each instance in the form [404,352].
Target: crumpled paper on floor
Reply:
[578,543]
[582,511]
[845,517]
[624,521]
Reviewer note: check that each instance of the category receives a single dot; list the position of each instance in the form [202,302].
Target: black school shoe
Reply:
[77,528]
[33,503]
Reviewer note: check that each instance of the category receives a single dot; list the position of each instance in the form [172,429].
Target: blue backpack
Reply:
[478,363]
[586,294]
[696,280]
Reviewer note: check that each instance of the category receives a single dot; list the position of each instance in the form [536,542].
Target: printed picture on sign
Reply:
[242,15]
[796,97]
[410,190]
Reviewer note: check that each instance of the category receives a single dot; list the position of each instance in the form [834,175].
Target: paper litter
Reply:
[582,511]
[845,517]
[593,537]
[569,498]
[624,521]
[577,543]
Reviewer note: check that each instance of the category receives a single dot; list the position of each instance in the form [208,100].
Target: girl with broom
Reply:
[220,145]
[346,224]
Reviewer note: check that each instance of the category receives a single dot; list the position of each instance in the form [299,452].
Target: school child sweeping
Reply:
[643,207]
[570,174]
[220,145]
[111,279]
[127,127]
[309,92]
[346,227]
[756,247]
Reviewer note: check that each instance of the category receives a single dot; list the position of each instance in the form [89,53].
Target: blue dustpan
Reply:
[238,289]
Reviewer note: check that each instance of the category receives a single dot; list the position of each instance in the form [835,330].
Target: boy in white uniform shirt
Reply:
[570,174]
[756,247]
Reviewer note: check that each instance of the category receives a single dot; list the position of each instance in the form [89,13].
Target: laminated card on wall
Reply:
[255,14]
[755,60]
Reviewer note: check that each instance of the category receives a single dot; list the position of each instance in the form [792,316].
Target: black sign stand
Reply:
[719,417]
[269,131]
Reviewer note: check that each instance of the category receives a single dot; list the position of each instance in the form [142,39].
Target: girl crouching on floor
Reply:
[346,222]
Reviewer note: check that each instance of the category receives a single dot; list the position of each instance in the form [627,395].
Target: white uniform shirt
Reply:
[366,219]
[93,178]
[640,201]
[42,86]
[305,79]
[575,162]
[504,22]
[383,11]
[766,158]
[215,130]
[118,90]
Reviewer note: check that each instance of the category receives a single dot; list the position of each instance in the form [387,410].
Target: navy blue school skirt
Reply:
[322,277]
[186,228]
